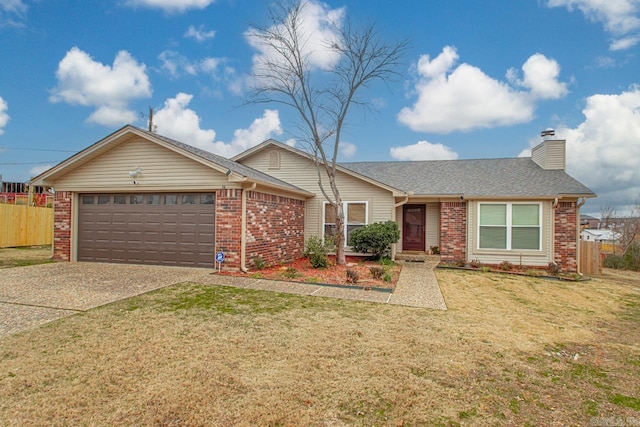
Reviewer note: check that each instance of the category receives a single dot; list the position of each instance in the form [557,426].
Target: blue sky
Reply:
[480,79]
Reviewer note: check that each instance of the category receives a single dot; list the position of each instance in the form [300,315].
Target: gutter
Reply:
[243,228]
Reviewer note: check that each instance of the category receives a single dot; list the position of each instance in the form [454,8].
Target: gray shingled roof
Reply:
[511,177]
[226,163]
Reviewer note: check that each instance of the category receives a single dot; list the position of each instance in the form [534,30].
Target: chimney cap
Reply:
[547,134]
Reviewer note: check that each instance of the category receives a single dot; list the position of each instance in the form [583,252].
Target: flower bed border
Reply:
[516,273]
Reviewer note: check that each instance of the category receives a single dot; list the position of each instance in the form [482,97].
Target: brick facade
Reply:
[228,226]
[566,236]
[275,228]
[63,205]
[453,231]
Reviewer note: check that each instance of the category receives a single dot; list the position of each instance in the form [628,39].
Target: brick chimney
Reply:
[551,153]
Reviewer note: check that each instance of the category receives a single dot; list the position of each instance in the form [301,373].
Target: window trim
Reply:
[346,216]
[510,226]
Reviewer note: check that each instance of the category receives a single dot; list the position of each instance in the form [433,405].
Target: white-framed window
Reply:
[355,216]
[510,226]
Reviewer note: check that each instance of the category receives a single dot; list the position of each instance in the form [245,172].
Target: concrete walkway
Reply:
[418,286]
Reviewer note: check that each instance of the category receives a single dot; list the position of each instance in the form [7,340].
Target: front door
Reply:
[413,230]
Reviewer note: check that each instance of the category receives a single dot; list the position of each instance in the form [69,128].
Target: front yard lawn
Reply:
[509,351]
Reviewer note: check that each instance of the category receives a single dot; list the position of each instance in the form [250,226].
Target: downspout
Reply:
[393,215]
[578,206]
[243,228]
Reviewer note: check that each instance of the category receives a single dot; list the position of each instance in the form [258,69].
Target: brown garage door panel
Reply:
[173,234]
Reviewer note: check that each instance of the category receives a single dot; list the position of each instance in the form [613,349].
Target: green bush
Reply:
[614,261]
[375,238]
[316,250]
[632,258]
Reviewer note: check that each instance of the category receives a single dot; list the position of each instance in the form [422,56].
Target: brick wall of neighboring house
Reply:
[275,228]
[62,225]
[453,231]
[228,225]
[566,234]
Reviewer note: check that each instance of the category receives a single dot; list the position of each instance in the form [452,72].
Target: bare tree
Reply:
[320,96]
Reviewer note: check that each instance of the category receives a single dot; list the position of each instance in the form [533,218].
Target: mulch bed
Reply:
[301,270]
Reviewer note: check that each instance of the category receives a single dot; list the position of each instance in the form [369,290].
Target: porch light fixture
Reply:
[135,173]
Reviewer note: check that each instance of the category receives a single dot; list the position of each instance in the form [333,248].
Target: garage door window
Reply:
[119,200]
[189,199]
[87,200]
[136,199]
[171,199]
[153,199]
[103,200]
[206,199]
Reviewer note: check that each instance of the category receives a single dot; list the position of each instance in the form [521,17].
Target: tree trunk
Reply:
[340,237]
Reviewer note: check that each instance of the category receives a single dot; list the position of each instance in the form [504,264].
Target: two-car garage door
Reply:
[163,228]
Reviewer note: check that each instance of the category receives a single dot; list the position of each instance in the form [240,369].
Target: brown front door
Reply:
[413,230]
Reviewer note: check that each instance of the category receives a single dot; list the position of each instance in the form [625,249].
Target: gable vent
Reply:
[274,160]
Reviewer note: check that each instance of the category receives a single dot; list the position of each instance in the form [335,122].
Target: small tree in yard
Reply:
[375,239]
[317,69]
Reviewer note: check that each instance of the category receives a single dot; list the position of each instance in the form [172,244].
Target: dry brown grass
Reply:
[28,255]
[509,351]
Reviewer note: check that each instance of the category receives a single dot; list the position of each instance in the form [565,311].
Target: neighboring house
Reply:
[588,221]
[136,196]
[600,235]
[19,193]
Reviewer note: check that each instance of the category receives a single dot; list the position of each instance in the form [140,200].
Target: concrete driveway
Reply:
[30,296]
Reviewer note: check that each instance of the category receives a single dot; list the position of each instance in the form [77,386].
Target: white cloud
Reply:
[84,81]
[170,6]
[465,98]
[12,13]
[620,18]
[348,149]
[37,170]
[624,43]
[603,151]
[199,34]
[423,150]
[177,121]
[4,116]
[318,30]
[178,65]
[541,77]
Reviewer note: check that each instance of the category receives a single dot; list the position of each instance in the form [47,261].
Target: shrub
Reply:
[631,257]
[614,261]
[553,269]
[387,262]
[375,238]
[459,263]
[387,276]
[474,263]
[316,250]
[259,263]
[435,250]
[485,269]
[506,266]
[376,272]
[291,273]
[352,276]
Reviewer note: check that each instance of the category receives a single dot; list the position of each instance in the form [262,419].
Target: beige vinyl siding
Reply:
[433,225]
[162,169]
[494,256]
[550,154]
[302,173]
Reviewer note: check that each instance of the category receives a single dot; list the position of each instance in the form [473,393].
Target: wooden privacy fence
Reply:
[590,258]
[25,226]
